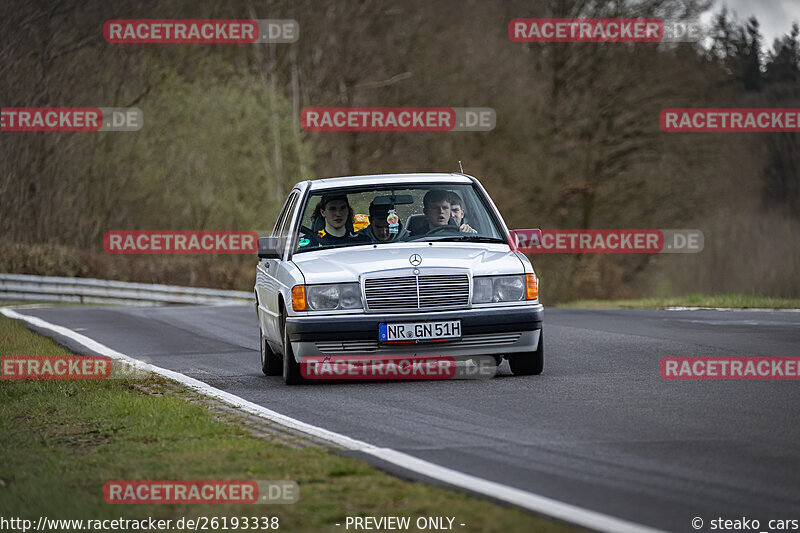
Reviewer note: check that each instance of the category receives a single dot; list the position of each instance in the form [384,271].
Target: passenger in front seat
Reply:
[335,210]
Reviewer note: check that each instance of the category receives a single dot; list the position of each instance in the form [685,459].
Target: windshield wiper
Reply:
[469,238]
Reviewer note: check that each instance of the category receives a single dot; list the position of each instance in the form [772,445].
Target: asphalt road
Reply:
[599,428]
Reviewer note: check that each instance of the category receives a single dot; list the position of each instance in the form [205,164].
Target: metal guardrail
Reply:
[88,290]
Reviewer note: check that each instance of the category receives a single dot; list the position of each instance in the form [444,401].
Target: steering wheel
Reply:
[447,228]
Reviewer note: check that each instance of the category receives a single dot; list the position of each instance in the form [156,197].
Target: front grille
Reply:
[488,340]
[347,346]
[441,291]
[491,339]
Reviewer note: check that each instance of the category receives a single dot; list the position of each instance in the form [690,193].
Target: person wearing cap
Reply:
[335,210]
[379,229]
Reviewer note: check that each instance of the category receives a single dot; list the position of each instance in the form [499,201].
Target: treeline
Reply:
[577,142]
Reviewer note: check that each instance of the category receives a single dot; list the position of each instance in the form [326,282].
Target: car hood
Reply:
[343,265]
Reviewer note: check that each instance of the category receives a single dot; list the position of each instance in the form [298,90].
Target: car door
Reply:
[268,287]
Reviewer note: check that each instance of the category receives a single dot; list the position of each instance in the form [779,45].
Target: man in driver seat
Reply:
[436,208]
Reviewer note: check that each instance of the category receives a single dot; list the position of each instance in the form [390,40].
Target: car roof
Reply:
[390,179]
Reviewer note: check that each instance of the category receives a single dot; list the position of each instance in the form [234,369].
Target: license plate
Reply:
[446,330]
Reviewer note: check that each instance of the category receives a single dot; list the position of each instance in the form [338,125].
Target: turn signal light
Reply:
[531,287]
[299,297]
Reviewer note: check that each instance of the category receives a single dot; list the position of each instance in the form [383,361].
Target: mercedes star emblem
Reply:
[415,259]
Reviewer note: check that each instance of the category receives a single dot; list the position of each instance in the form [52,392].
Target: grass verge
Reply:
[62,440]
[739,301]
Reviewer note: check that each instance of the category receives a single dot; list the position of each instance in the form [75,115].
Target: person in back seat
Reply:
[458,213]
[379,229]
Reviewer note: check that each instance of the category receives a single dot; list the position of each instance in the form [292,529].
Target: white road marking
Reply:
[527,500]
[757,309]
[733,322]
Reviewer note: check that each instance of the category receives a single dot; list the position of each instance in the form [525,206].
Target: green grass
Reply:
[741,301]
[62,440]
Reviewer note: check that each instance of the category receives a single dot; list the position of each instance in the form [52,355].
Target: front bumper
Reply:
[485,331]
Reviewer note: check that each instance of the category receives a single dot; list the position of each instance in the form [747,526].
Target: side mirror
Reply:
[526,240]
[271,247]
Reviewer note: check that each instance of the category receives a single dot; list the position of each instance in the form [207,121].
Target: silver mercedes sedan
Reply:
[417,266]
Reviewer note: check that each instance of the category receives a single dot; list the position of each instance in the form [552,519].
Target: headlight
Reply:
[509,288]
[329,297]
[350,296]
[482,290]
[498,289]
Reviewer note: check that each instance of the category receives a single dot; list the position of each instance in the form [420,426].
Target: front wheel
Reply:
[529,364]
[270,362]
[291,368]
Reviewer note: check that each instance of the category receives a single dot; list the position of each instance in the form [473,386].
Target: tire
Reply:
[270,362]
[529,364]
[291,368]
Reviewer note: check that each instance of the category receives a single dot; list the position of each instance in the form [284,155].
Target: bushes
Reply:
[228,272]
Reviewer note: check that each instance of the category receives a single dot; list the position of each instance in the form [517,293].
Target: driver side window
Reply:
[281,229]
[281,217]
[287,220]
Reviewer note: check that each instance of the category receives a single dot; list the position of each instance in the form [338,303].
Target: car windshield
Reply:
[389,214]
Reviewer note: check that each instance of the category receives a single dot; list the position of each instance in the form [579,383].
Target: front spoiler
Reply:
[480,321]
